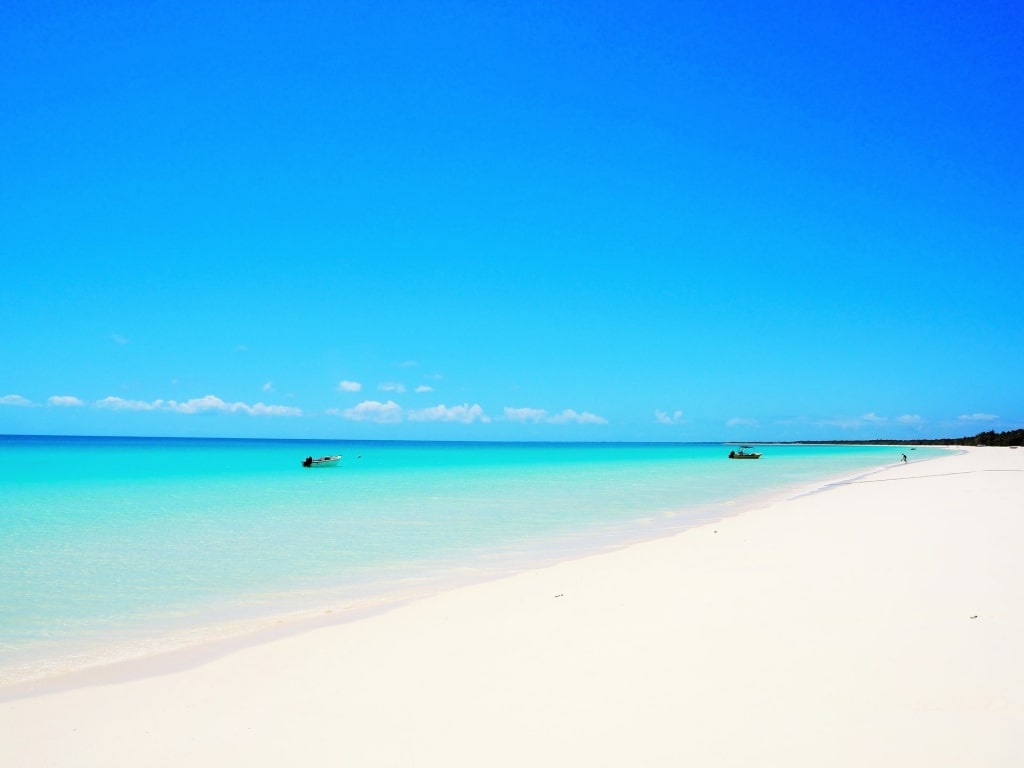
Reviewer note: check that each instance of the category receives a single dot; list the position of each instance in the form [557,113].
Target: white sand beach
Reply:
[877,623]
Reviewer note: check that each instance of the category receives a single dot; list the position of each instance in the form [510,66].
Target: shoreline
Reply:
[175,648]
[876,622]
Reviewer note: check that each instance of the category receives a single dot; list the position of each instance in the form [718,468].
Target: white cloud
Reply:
[535,415]
[260,409]
[742,422]
[391,413]
[118,338]
[349,386]
[465,414]
[854,422]
[541,416]
[569,415]
[65,400]
[910,418]
[213,403]
[15,400]
[424,388]
[664,418]
[391,386]
[372,410]
[120,404]
[268,387]
[977,417]
[408,364]
[197,405]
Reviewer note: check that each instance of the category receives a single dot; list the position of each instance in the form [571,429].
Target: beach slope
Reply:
[879,622]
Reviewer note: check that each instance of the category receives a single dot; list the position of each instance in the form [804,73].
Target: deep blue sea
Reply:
[112,548]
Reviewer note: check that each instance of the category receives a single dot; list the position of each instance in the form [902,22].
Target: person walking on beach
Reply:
[904,458]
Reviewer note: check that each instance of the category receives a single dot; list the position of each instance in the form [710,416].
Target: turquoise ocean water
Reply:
[112,548]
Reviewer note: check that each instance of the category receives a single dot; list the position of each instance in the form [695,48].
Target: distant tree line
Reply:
[1012,437]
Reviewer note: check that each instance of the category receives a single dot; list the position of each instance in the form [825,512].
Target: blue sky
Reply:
[512,220]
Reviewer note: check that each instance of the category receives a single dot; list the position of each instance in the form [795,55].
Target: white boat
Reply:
[323,461]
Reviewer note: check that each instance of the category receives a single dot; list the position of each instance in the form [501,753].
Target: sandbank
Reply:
[879,622]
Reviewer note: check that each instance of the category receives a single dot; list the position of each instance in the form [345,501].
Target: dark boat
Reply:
[743,454]
[323,461]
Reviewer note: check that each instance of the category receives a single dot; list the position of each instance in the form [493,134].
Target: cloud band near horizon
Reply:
[207,403]
[391,412]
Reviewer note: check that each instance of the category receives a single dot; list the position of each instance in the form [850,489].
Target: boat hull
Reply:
[326,461]
[746,452]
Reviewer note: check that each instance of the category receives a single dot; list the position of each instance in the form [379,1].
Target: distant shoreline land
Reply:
[1014,437]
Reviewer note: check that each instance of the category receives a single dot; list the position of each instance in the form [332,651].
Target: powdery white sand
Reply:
[878,623]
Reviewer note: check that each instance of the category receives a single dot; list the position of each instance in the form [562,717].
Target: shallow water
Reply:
[115,547]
